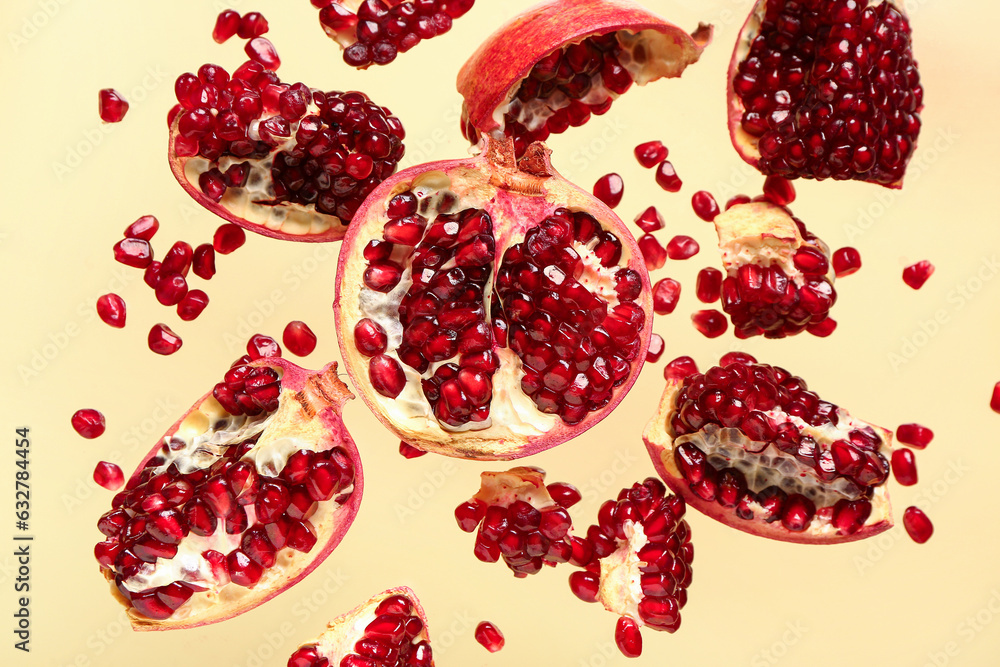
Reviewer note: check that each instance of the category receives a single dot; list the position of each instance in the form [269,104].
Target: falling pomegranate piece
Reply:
[779,191]
[710,323]
[408,451]
[653,253]
[823,328]
[655,350]
[203,261]
[680,368]
[171,288]
[904,467]
[577,57]
[682,247]
[88,423]
[226,25]
[489,636]
[667,178]
[192,305]
[917,525]
[260,346]
[133,252]
[750,445]
[253,24]
[163,340]
[704,205]
[649,220]
[628,638]
[826,90]
[298,338]
[143,228]
[666,294]
[651,153]
[846,261]
[917,274]
[609,189]
[914,435]
[262,51]
[111,310]
[708,286]
[228,238]
[112,105]
[995,398]
[108,476]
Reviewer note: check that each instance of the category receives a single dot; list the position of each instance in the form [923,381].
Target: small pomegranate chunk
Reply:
[408,451]
[260,346]
[655,350]
[108,476]
[163,340]
[779,191]
[651,153]
[192,305]
[89,423]
[680,368]
[914,435]
[489,636]
[609,189]
[143,228]
[708,286]
[917,274]
[253,24]
[654,254]
[261,50]
[710,323]
[203,261]
[226,25]
[228,237]
[667,178]
[628,638]
[704,205]
[666,293]
[111,310]
[846,261]
[904,467]
[298,338]
[917,525]
[682,247]
[112,105]
[133,252]
[649,220]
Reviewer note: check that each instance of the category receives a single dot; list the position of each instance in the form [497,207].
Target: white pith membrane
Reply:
[521,483]
[621,589]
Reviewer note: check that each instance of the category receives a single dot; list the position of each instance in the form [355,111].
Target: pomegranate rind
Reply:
[659,441]
[310,407]
[491,77]
[487,177]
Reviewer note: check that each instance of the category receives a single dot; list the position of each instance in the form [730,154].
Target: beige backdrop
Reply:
[72,185]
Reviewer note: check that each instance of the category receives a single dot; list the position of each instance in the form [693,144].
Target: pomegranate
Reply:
[112,105]
[846,261]
[704,205]
[88,423]
[279,159]
[389,630]
[666,293]
[108,475]
[651,153]
[244,496]
[488,309]
[610,189]
[559,62]
[489,636]
[749,445]
[667,178]
[826,89]
[917,525]
[780,280]
[299,338]
[111,310]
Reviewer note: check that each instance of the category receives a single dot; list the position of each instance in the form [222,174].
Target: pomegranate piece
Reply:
[649,220]
[667,178]
[651,153]
[108,476]
[914,435]
[800,73]
[88,423]
[408,451]
[489,636]
[680,368]
[253,24]
[298,338]
[111,310]
[682,247]
[904,467]
[846,261]
[181,549]
[654,254]
[226,25]
[655,350]
[163,340]
[133,252]
[704,205]
[708,286]
[995,398]
[917,525]
[228,238]
[917,274]
[779,191]
[279,158]
[710,323]
[143,228]
[112,105]
[192,305]
[577,58]
[666,293]
[628,638]
[203,261]
[824,328]
[609,189]
[750,445]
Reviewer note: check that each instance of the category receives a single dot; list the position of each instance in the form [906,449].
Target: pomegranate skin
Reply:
[320,396]
[489,79]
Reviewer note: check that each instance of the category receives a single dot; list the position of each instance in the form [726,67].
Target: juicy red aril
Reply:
[823,328]
[710,323]
[666,293]
[408,451]
[386,375]
[649,220]
[89,423]
[108,476]
[253,24]
[585,585]
[995,398]
[904,467]
[227,238]
[651,153]
[112,106]
[163,340]
[203,261]
[917,525]
[667,178]
[682,247]
[261,50]
[628,638]
[654,254]
[810,260]
[298,338]
[609,189]
[143,228]
[914,435]
[704,205]
[192,305]
[489,636]
[565,495]
[680,368]
[779,191]
[655,350]
[846,261]
[133,252]
[260,346]
[226,25]
[170,288]
[917,274]
[370,338]
[111,310]
[708,286]
[178,259]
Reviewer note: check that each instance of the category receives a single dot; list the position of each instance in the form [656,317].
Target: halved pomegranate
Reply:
[826,89]
[556,64]
[749,445]
[389,630]
[283,160]
[487,308]
[234,506]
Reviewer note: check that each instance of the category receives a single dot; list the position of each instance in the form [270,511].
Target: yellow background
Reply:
[70,185]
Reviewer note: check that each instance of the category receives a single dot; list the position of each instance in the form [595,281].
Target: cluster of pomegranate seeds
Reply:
[111,310]
[667,178]
[653,253]
[489,636]
[112,105]
[651,153]
[704,205]
[917,525]
[680,368]
[846,261]
[655,349]
[904,467]
[250,390]
[682,247]
[831,90]
[710,323]
[708,285]
[917,274]
[89,423]
[609,189]
[666,293]
[649,220]
[914,435]
[163,340]
[298,338]
[108,476]
[408,451]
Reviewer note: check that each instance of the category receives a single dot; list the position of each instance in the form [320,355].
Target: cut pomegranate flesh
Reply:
[112,106]
[111,310]
[88,423]
[914,435]
[108,476]
[489,636]
[749,445]
[917,274]
[917,525]
[298,338]
[826,90]
[846,261]
[609,189]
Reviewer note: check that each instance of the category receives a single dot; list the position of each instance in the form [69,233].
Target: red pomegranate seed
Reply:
[709,285]
[386,375]
[564,493]
[704,205]
[737,357]
[171,288]
[489,636]
[298,338]
[178,259]
[917,525]
[914,435]
[609,189]
[261,50]
[649,220]
[655,350]
[651,153]
[192,305]
[682,247]
[711,323]
[370,338]
[89,423]
[654,254]
[108,476]
[163,340]
[666,292]
[779,190]
[226,25]
[737,200]
[667,177]
[252,25]
[144,228]
[680,368]
[823,328]
[917,274]
[112,106]
[995,399]
[410,452]
[846,261]
[228,237]
[260,346]
[585,585]
[904,467]
[203,261]
[628,638]
[133,252]
[111,310]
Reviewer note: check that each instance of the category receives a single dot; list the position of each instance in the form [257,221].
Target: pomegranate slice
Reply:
[780,279]
[279,159]
[826,90]
[389,630]
[488,309]
[749,445]
[234,504]
[559,62]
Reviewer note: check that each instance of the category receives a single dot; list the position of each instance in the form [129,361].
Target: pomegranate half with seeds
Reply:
[751,446]
[283,160]
[488,309]
[234,505]
[826,89]
[558,63]
[389,630]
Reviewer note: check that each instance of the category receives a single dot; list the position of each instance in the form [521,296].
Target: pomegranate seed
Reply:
[409,451]
[144,228]
[995,399]
[252,25]
[779,190]
[737,200]
[192,305]
[178,259]
[298,338]
[628,638]
[171,288]
[914,435]
[666,177]
[737,357]
[111,310]
[651,153]
[846,261]
[226,25]
[655,350]
[370,338]
[704,205]
[261,50]
[108,476]
[917,525]
[565,494]
[711,323]
[133,252]
[260,346]
[112,106]
[917,274]
[682,247]
[666,293]
[386,375]
[654,254]
[709,285]
[89,423]
[680,368]
[904,467]
[489,636]
[609,189]
[649,220]
[162,340]
[823,328]
[228,237]
[585,585]
[203,261]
